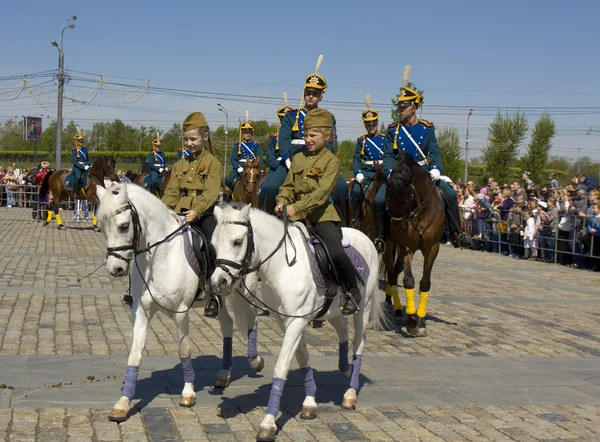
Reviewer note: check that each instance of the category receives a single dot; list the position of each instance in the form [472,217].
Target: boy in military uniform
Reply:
[369,150]
[273,160]
[194,187]
[158,165]
[246,149]
[308,185]
[417,137]
[291,141]
[79,157]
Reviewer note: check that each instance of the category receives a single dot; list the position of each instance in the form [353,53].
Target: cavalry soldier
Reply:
[291,141]
[417,137]
[182,153]
[244,150]
[79,157]
[158,165]
[273,158]
[194,187]
[305,193]
[369,150]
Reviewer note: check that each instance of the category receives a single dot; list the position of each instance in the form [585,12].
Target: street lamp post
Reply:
[61,84]
[578,160]
[467,147]
[222,109]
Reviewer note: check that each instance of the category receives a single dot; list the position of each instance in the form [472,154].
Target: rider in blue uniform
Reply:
[273,160]
[244,150]
[291,141]
[417,137]
[369,151]
[158,166]
[79,157]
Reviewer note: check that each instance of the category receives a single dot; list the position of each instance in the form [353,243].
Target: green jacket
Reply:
[308,185]
[194,184]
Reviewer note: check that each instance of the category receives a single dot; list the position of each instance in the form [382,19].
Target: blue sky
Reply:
[487,55]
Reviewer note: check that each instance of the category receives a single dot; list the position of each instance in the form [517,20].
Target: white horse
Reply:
[133,219]
[248,239]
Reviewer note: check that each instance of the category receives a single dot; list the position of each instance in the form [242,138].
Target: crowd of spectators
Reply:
[538,222]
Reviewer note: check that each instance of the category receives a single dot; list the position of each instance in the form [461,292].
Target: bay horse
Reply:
[148,242]
[102,168]
[140,178]
[416,223]
[248,183]
[364,219]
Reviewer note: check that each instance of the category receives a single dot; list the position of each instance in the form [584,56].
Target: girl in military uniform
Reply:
[195,184]
[312,177]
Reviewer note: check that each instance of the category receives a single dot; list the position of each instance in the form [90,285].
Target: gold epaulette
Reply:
[390,126]
[274,134]
[362,137]
[426,123]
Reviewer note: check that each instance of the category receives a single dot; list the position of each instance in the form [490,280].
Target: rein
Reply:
[417,212]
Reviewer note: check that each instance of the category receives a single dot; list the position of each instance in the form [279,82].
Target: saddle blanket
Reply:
[358,261]
[69,181]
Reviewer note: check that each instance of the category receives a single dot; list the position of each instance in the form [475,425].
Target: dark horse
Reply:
[245,190]
[102,168]
[141,177]
[416,223]
[364,218]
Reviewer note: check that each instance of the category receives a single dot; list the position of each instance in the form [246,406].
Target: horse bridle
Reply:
[244,268]
[416,213]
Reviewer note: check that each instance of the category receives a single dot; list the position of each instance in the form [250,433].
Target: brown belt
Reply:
[190,192]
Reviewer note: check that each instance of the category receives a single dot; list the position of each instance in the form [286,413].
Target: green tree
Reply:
[505,135]
[449,142]
[345,154]
[539,147]
[394,113]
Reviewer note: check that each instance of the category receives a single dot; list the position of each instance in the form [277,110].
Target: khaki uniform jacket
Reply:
[308,185]
[194,184]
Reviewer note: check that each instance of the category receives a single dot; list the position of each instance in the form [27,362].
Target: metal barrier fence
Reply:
[566,245]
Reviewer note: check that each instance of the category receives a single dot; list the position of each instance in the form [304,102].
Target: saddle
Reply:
[69,181]
[322,266]
[197,253]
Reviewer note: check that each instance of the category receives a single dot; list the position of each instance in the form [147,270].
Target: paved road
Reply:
[512,354]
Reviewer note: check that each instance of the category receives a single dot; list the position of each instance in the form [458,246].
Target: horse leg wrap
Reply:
[252,350]
[227,353]
[410,301]
[49,217]
[94,220]
[188,372]
[422,310]
[128,389]
[343,364]
[395,297]
[58,220]
[310,388]
[275,396]
[356,363]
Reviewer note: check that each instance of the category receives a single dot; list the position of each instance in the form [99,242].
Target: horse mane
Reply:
[399,183]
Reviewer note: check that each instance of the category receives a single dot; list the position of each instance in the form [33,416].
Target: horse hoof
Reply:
[118,415]
[257,364]
[96,229]
[411,332]
[308,413]
[60,226]
[349,404]
[266,434]
[187,401]
[347,374]
[398,317]
[411,321]
[222,383]
[45,223]
[421,332]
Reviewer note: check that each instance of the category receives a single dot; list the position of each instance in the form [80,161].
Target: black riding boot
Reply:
[379,236]
[348,276]
[457,237]
[269,206]
[343,212]
[76,188]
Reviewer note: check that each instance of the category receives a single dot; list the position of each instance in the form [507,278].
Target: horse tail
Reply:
[379,320]
[45,185]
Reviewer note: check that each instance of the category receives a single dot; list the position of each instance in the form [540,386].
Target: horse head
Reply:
[234,244]
[400,193]
[120,224]
[251,174]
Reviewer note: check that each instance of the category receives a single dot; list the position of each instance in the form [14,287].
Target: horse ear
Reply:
[122,194]
[218,212]
[245,212]
[100,192]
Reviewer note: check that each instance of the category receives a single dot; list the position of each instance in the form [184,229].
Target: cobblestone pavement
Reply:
[494,326]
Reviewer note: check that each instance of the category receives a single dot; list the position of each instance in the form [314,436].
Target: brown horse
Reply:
[416,223]
[55,181]
[364,218]
[140,177]
[245,188]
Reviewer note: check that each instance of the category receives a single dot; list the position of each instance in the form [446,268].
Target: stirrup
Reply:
[350,301]
[213,306]
[379,245]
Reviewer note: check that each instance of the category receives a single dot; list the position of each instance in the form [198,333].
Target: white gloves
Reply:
[288,163]
[166,169]
[359,178]
[240,169]
[161,170]
[279,160]
[86,167]
[434,174]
